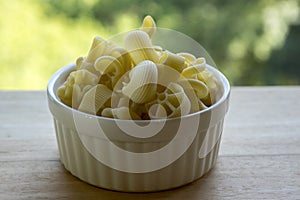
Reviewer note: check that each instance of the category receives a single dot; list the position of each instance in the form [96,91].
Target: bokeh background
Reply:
[253,42]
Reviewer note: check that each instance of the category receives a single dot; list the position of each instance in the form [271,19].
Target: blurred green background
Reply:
[253,42]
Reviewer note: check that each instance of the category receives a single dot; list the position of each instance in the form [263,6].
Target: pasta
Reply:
[208,78]
[199,87]
[166,74]
[95,99]
[172,102]
[138,81]
[172,60]
[120,113]
[77,83]
[139,45]
[123,57]
[110,70]
[143,82]
[194,70]
[98,48]
[148,25]
[189,57]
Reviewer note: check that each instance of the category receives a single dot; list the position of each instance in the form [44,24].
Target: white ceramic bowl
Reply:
[102,152]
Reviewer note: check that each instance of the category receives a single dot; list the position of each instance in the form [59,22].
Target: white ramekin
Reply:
[82,154]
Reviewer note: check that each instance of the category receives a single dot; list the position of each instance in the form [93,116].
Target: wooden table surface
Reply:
[259,156]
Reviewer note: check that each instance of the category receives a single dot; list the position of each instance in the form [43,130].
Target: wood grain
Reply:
[259,156]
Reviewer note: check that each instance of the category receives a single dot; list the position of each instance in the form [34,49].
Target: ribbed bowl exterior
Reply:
[187,168]
[83,165]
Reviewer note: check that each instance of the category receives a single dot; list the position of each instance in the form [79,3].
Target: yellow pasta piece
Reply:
[199,87]
[200,60]
[196,103]
[139,46]
[110,70]
[78,93]
[84,77]
[143,82]
[107,112]
[192,71]
[79,62]
[157,111]
[158,49]
[166,74]
[207,77]
[212,83]
[123,57]
[178,99]
[125,113]
[173,100]
[193,99]
[80,78]
[148,25]
[94,99]
[98,49]
[170,59]
[123,102]
[82,64]
[96,41]
[108,64]
[71,95]
[188,56]
[120,113]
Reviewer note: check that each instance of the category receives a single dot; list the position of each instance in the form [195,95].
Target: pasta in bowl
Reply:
[138,117]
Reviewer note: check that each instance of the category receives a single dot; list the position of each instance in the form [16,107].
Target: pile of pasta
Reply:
[139,81]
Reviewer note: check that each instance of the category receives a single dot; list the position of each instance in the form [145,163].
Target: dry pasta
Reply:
[172,100]
[140,47]
[94,99]
[110,70]
[193,71]
[189,57]
[140,80]
[148,25]
[120,113]
[166,74]
[199,87]
[143,82]
[172,60]
[75,86]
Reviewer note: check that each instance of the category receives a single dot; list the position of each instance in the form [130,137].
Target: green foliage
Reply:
[252,42]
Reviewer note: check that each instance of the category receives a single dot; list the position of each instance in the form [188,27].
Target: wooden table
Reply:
[259,156]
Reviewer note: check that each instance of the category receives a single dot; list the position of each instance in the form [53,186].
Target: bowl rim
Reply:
[58,75]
